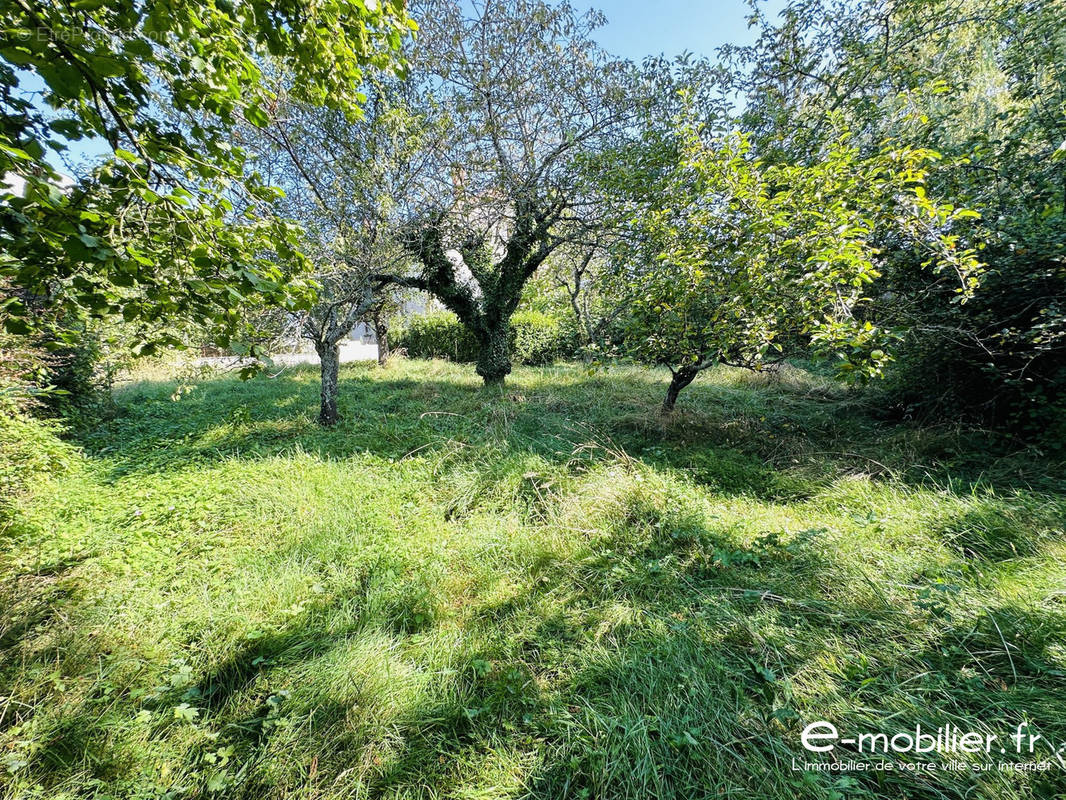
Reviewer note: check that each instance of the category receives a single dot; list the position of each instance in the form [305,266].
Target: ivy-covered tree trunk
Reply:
[494,351]
[481,292]
[330,358]
[682,378]
[381,333]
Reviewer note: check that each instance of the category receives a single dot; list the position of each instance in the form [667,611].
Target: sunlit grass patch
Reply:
[545,592]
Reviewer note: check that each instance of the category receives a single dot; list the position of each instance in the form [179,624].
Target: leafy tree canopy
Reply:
[983,84]
[173,224]
[527,92]
[735,260]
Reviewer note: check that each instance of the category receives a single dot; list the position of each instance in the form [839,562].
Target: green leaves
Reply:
[743,262]
[186,713]
[151,234]
[257,116]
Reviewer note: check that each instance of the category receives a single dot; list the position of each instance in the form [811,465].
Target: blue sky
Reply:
[635,29]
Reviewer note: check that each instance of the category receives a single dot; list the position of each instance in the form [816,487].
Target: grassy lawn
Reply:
[546,593]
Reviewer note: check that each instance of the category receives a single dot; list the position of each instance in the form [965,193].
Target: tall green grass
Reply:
[547,592]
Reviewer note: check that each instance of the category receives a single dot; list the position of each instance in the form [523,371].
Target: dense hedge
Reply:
[535,338]
[997,360]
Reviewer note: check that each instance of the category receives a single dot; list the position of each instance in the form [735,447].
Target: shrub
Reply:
[437,334]
[22,369]
[998,360]
[76,374]
[536,338]
[69,379]
[29,449]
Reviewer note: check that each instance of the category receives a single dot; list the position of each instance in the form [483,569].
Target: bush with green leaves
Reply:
[538,339]
[29,449]
[52,377]
[436,335]
[535,338]
[983,84]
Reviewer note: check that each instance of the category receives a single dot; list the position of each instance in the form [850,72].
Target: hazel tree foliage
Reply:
[172,225]
[737,262]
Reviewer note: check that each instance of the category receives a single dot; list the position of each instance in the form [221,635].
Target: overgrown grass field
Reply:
[548,592]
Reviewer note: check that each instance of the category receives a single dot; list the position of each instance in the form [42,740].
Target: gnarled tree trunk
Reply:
[494,352]
[329,356]
[484,298]
[381,333]
[682,378]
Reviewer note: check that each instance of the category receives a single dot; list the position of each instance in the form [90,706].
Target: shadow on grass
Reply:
[761,437]
[234,705]
[648,681]
[996,531]
[666,657]
[30,602]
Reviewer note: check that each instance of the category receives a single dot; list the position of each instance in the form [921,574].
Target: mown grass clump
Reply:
[547,592]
